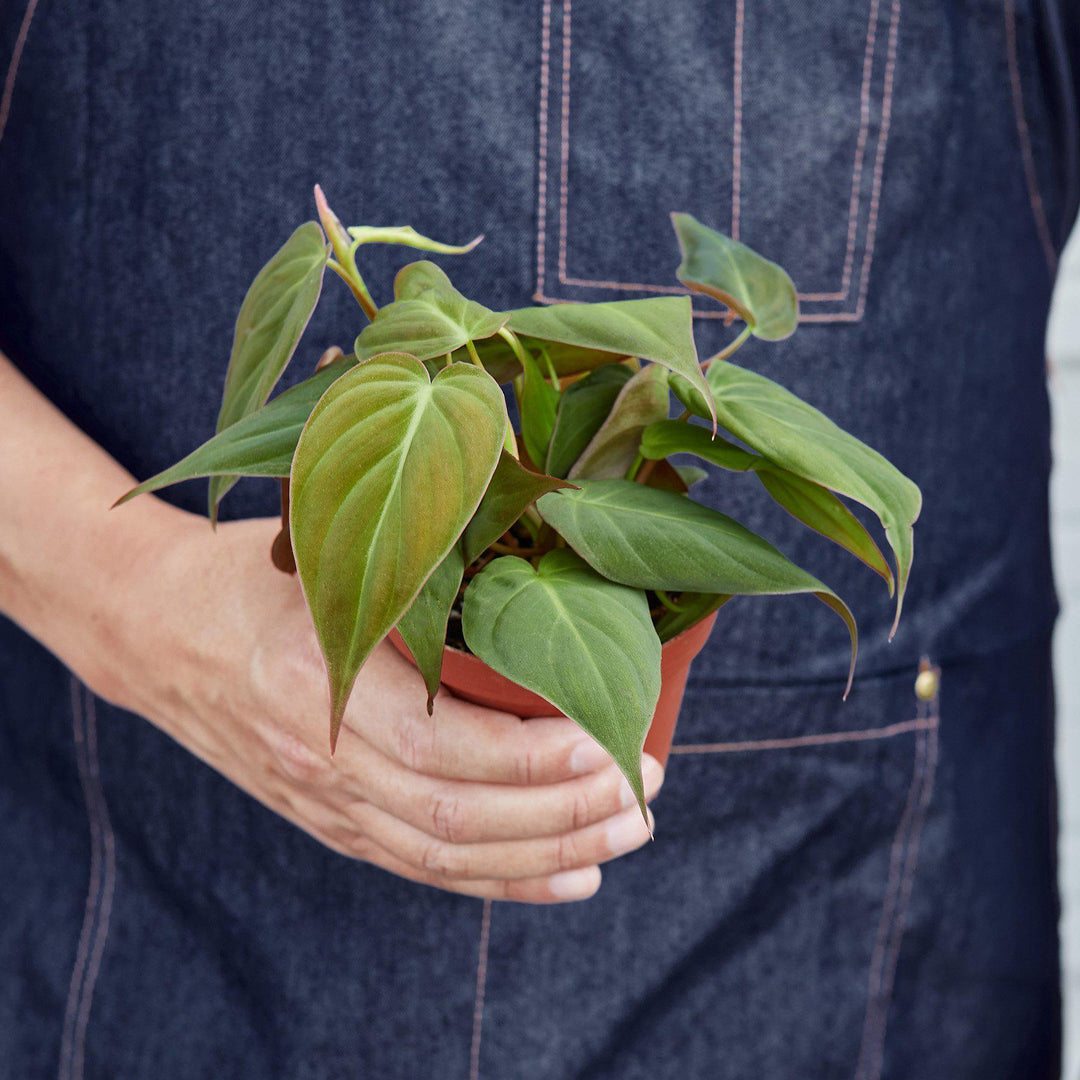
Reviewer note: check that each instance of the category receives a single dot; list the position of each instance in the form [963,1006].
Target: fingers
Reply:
[461,812]
[556,889]
[510,860]
[462,741]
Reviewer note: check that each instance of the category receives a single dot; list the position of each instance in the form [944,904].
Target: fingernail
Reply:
[588,756]
[652,776]
[575,884]
[627,832]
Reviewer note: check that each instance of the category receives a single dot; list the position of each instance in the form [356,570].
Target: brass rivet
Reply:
[926,685]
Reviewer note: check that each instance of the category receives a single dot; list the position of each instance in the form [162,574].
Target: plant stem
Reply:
[668,602]
[632,472]
[473,354]
[511,339]
[730,349]
[553,375]
[351,276]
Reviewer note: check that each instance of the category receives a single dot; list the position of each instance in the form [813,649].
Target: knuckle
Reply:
[528,766]
[414,745]
[581,812]
[438,858]
[567,852]
[296,759]
[449,818]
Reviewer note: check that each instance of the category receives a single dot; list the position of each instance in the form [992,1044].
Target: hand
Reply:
[218,650]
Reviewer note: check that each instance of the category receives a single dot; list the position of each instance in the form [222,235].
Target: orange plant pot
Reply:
[470,678]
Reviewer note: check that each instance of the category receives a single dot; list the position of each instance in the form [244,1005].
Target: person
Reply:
[191,885]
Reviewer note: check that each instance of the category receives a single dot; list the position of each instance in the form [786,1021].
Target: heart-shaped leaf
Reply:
[641,402]
[585,644]
[423,626]
[799,438]
[583,406]
[538,404]
[408,236]
[272,319]
[757,290]
[388,471]
[428,318]
[812,504]
[262,444]
[652,539]
[512,488]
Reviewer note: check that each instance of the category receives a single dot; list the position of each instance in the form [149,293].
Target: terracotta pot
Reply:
[470,678]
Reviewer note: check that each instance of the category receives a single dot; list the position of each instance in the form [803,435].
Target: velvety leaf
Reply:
[539,401]
[758,290]
[667,437]
[585,644]
[272,319]
[428,318]
[665,476]
[423,626]
[407,235]
[641,402]
[512,488]
[799,438]
[583,406]
[818,508]
[388,471]
[812,504]
[658,328]
[262,444]
[501,362]
[653,539]
[693,607]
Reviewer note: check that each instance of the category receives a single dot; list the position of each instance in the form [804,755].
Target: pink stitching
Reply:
[856,184]
[879,161]
[860,150]
[736,134]
[888,906]
[99,896]
[564,184]
[829,738]
[13,67]
[910,863]
[541,209]
[481,986]
[1023,132]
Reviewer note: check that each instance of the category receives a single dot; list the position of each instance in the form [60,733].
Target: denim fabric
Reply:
[873,899]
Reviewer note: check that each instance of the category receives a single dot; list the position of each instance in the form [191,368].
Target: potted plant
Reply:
[561,565]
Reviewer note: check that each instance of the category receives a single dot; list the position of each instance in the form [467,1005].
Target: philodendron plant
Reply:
[562,555]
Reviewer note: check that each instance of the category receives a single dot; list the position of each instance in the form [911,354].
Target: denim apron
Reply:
[861,890]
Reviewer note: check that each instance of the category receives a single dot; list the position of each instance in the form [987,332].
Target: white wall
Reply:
[1063,346]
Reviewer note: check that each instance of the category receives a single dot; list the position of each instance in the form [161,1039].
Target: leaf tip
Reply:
[431,704]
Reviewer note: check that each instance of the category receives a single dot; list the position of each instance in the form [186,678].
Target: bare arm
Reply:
[198,633]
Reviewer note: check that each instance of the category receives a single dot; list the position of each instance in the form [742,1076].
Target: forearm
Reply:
[66,562]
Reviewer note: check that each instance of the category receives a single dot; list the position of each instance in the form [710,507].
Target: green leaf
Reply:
[653,539]
[641,402]
[667,437]
[501,362]
[691,475]
[757,290]
[388,471]
[538,403]
[428,318]
[799,438]
[272,319]
[407,235]
[819,509]
[583,406]
[262,444]
[812,504]
[423,626]
[657,328]
[512,488]
[585,644]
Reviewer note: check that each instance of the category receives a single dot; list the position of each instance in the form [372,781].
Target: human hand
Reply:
[218,650]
